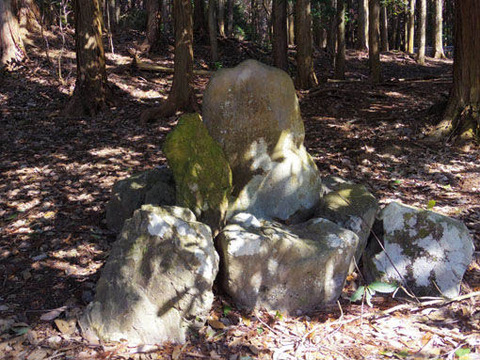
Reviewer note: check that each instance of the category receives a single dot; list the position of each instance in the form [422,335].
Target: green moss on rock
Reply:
[202,175]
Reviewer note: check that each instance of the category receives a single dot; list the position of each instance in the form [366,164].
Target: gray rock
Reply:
[350,206]
[155,187]
[252,110]
[430,251]
[293,269]
[157,283]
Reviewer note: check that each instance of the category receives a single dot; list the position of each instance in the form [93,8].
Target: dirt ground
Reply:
[57,174]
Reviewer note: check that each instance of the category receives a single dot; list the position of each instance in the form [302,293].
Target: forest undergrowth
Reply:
[57,174]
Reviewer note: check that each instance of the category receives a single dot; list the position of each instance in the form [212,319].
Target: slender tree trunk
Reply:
[154,20]
[332,31]
[200,22]
[90,94]
[422,31]
[11,43]
[362,39]
[254,20]
[221,17]
[438,37]
[212,30]
[181,96]
[384,28]
[306,76]
[229,25]
[291,24]
[280,42]
[373,40]
[411,27]
[462,116]
[340,56]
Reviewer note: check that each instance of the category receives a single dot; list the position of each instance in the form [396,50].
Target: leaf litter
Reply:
[57,174]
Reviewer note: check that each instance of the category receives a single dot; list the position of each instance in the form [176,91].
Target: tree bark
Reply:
[306,77]
[28,15]
[221,17]
[332,31]
[384,28]
[229,17]
[200,22]
[422,27]
[291,24]
[11,43]
[154,20]
[373,40]
[340,56]
[362,39]
[280,42]
[90,94]
[462,116]
[411,27]
[181,96]
[438,37]
[212,30]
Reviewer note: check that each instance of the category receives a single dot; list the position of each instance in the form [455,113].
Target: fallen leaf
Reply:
[216,324]
[52,315]
[66,327]
[37,354]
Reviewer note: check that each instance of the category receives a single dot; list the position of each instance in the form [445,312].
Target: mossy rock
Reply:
[203,178]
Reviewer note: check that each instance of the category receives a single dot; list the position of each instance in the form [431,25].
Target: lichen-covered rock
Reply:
[294,269]
[155,187]
[202,175]
[157,283]
[252,111]
[430,251]
[350,206]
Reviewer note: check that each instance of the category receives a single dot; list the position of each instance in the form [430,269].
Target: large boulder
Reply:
[157,283]
[294,269]
[428,251]
[202,175]
[350,206]
[155,187]
[252,110]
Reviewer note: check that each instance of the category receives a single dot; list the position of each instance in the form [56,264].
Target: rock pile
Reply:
[287,240]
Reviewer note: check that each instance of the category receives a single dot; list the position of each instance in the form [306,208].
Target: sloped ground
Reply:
[56,176]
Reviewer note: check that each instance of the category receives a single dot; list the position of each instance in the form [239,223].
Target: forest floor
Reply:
[57,174]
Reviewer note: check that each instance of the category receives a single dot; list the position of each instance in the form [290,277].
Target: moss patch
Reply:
[202,174]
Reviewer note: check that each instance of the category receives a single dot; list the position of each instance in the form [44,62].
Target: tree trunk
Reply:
[462,116]
[340,57]
[373,40]
[411,27]
[362,39]
[221,17]
[181,96]
[291,24]
[229,25]
[11,43]
[422,27]
[200,23]
[384,28]
[280,42]
[212,30]
[332,31]
[438,37]
[90,94]
[254,20]
[28,15]
[306,76]
[154,20]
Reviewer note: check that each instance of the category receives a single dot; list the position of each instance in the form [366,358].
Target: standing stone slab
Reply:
[429,250]
[155,187]
[252,110]
[294,269]
[350,206]
[157,283]
[202,175]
